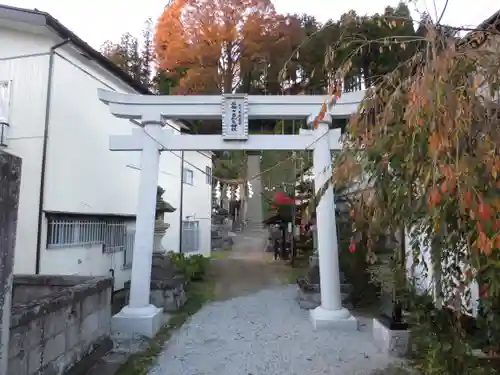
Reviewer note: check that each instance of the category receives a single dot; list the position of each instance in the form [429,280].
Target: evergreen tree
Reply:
[133,55]
[146,53]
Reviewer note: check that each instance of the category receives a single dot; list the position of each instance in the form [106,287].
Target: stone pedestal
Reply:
[132,321]
[167,285]
[340,319]
[160,230]
[395,341]
[168,294]
[10,179]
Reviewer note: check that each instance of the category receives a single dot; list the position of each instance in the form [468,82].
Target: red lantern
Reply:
[282,198]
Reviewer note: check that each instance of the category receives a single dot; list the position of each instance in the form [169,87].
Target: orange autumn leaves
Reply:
[482,211]
[462,149]
[334,94]
[216,41]
[430,136]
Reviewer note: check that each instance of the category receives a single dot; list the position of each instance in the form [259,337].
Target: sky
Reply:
[96,21]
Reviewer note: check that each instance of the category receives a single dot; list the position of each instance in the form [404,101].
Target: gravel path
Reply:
[265,334]
[247,269]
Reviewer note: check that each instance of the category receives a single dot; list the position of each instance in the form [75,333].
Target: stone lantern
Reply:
[161,227]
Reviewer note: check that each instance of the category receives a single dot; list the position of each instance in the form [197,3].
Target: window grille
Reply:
[114,237]
[190,236]
[64,232]
[208,175]
[4,111]
[129,249]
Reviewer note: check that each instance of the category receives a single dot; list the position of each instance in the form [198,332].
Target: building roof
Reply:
[39,18]
[36,17]
[482,34]
[494,20]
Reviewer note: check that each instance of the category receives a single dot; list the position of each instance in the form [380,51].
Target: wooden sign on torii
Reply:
[235,110]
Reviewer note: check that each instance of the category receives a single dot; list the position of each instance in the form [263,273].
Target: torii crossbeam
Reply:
[150,112]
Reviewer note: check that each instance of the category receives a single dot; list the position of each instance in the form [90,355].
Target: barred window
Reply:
[65,231]
[208,175]
[190,236]
[5,97]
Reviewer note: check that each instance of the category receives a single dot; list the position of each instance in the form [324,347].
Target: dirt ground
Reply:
[247,268]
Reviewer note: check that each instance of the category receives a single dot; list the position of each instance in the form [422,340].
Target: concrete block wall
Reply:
[62,330]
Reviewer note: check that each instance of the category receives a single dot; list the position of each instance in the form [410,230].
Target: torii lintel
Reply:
[192,107]
[168,140]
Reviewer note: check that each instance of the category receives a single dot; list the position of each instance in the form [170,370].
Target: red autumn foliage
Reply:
[434,197]
[483,212]
[352,246]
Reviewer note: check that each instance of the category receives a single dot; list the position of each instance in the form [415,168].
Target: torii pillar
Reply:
[140,316]
[330,313]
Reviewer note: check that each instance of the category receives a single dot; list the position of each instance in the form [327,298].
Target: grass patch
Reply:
[286,273]
[221,254]
[395,369]
[291,273]
[198,293]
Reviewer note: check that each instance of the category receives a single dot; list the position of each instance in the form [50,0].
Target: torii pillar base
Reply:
[131,322]
[339,320]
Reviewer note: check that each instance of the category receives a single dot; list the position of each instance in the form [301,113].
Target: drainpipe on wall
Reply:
[112,272]
[44,153]
[181,200]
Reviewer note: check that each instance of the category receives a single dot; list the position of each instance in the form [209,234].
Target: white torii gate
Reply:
[139,316]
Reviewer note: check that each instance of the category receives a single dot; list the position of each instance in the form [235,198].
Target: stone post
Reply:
[254,204]
[10,179]
[330,312]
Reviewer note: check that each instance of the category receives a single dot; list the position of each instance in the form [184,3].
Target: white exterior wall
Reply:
[28,74]
[197,201]
[198,198]
[80,126]
[82,175]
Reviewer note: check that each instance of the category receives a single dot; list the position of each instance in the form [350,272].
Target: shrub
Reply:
[193,268]
[356,268]
[441,343]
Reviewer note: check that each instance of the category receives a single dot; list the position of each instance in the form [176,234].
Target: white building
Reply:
[78,199]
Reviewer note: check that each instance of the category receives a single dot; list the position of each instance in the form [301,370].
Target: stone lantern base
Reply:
[160,230]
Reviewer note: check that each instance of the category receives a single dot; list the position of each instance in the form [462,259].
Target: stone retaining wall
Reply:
[10,181]
[167,294]
[59,324]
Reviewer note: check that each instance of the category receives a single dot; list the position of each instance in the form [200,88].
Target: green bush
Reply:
[365,291]
[440,344]
[193,268]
